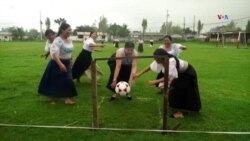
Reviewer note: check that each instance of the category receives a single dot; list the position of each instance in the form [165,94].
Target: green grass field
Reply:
[223,75]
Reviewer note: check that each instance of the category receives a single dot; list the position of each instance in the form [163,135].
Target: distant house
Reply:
[176,36]
[81,36]
[189,37]
[203,37]
[156,36]
[5,36]
[135,34]
[230,37]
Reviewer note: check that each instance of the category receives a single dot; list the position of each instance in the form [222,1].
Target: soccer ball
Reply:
[122,88]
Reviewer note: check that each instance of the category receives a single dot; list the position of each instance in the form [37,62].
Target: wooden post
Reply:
[94,95]
[165,95]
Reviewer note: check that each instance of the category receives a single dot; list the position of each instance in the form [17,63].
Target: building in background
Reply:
[82,36]
[5,36]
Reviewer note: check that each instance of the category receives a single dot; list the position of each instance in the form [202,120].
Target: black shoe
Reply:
[129,97]
[112,98]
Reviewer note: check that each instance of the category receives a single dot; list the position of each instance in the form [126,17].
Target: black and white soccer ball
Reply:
[122,88]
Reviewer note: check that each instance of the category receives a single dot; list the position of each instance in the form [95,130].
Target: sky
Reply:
[25,13]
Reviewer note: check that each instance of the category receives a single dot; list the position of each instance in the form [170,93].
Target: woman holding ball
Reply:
[122,69]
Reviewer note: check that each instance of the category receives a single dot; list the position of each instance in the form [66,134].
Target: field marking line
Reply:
[126,129]
[139,98]
[71,123]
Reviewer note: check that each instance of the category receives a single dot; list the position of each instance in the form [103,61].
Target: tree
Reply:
[59,21]
[20,33]
[176,29]
[47,23]
[117,30]
[103,24]
[144,26]
[230,27]
[84,28]
[163,28]
[169,28]
[113,29]
[124,32]
[17,32]
[188,31]
[33,34]
[199,28]
[248,26]
[13,32]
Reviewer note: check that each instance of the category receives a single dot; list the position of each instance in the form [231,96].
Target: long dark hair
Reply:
[62,27]
[91,33]
[168,36]
[161,52]
[49,31]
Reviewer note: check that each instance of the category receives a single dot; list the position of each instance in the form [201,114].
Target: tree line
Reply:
[116,30]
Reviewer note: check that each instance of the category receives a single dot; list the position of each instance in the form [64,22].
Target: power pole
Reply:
[184,27]
[41,30]
[194,25]
[167,22]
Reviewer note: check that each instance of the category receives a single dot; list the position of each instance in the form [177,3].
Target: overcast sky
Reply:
[25,13]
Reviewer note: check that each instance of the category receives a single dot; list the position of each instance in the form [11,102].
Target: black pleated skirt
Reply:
[117,44]
[123,75]
[184,93]
[82,63]
[140,48]
[55,83]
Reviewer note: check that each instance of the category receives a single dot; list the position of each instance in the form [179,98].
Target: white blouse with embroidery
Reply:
[47,46]
[87,43]
[63,49]
[140,41]
[172,72]
[175,49]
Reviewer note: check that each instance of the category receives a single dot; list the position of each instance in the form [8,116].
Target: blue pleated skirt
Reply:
[55,83]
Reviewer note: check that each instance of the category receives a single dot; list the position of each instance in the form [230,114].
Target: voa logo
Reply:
[222,17]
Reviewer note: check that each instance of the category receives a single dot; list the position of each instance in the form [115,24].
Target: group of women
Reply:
[57,80]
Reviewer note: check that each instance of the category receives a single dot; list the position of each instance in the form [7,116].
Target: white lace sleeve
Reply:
[91,41]
[46,48]
[154,66]
[55,46]
[178,48]
[172,69]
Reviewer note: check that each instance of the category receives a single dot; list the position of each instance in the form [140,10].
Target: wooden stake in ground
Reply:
[94,95]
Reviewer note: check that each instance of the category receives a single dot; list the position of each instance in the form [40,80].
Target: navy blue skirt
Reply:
[55,83]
